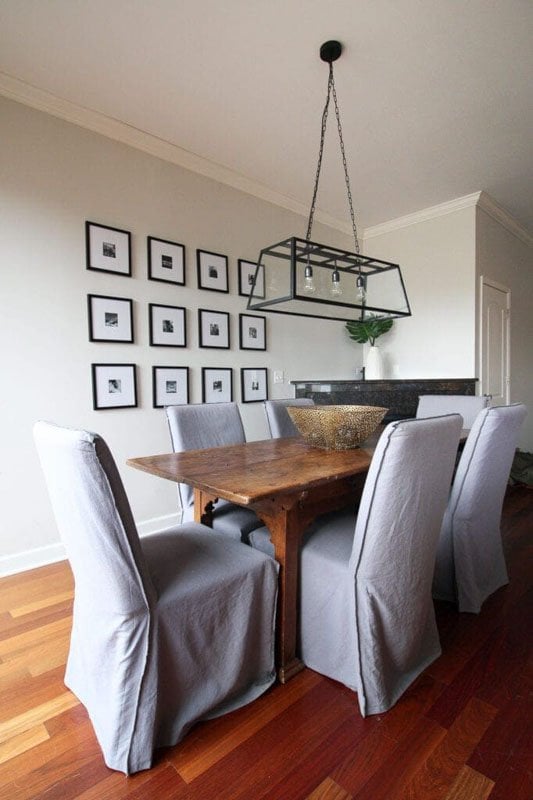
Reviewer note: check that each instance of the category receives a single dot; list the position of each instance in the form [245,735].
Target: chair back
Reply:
[470,561]
[468,406]
[94,520]
[279,422]
[197,426]
[393,554]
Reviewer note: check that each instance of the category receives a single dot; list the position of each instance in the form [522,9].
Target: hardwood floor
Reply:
[464,731]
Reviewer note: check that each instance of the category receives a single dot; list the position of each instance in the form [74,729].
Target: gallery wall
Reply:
[53,177]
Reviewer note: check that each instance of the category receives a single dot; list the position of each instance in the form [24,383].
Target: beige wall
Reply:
[504,258]
[437,258]
[54,176]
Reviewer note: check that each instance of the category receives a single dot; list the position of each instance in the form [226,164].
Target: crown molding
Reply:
[491,207]
[480,200]
[21,92]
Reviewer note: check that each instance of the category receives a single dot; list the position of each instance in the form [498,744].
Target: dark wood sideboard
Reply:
[399,396]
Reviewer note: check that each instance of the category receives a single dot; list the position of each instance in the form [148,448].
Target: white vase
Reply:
[373,364]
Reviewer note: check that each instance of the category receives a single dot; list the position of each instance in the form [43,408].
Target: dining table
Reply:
[288,484]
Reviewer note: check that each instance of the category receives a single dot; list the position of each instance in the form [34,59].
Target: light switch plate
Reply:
[278,376]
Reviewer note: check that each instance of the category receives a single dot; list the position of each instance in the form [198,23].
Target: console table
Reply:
[399,396]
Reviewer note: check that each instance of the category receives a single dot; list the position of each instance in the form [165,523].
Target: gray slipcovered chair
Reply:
[470,563]
[366,610]
[279,422]
[149,653]
[468,406]
[195,427]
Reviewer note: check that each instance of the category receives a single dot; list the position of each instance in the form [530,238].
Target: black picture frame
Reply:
[167,325]
[217,385]
[110,319]
[166,261]
[170,386]
[252,332]
[246,272]
[254,384]
[212,271]
[108,249]
[114,386]
[213,329]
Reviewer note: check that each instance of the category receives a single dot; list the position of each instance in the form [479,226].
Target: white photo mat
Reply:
[213,329]
[110,318]
[114,386]
[108,249]
[254,384]
[167,325]
[252,332]
[166,261]
[217,385]
[170,386]
[212,271]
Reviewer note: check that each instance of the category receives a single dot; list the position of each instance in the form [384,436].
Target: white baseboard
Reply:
[30,559]
[41,556]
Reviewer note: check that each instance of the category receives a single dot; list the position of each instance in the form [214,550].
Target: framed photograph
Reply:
[254,384]
[108,249]
[170,386]
[212,271]
[114,386]
[166,261]
[213,328]
[110,318]
[217,385]
[246,279]
[252,332]
[167,326]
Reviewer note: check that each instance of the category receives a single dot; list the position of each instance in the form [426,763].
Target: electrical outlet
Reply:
[278,376]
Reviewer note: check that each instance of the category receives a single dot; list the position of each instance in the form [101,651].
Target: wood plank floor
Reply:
[464,731]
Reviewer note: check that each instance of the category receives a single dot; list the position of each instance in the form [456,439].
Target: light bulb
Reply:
[361,291]
[309,284]
[336,290]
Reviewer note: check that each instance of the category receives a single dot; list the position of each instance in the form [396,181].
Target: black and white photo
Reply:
[170,386]
[254,384]
[217,385]
[167,325]
[108,249]
[252,332]
[246,278]
[110,318]
[166,261]
[114,386]
[212,271]
[213,329]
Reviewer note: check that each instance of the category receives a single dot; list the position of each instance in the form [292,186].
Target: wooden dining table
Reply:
[288,484]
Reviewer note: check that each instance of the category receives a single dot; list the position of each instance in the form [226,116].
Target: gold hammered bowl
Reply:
[336,427]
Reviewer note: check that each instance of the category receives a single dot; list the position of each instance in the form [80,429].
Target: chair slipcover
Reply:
[194,427]
[468,406]
[279,422]
[470,562]
[367,616]
[152,620]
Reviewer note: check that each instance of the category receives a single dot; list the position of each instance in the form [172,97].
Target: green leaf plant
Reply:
[368,330]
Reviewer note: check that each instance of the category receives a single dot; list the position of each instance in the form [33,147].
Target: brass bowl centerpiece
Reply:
[336,427]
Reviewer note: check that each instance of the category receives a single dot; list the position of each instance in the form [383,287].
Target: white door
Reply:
[495,339]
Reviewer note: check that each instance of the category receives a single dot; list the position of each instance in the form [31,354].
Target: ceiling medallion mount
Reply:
[331,51]
[301,277]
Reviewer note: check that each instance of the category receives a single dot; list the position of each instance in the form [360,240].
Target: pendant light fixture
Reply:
[301,277]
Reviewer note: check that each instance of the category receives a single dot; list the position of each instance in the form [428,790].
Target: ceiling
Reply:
[436,96]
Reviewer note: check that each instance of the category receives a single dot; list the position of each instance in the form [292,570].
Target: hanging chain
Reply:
[331,90]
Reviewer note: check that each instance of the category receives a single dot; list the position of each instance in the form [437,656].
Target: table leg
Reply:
[286,528]
[203,507]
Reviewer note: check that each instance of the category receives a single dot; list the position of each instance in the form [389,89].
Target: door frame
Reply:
[485,281]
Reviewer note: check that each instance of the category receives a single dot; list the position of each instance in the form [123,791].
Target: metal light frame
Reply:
[304,278]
